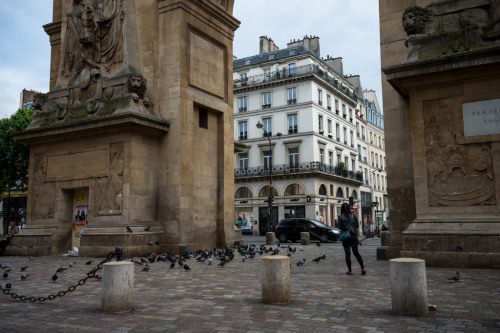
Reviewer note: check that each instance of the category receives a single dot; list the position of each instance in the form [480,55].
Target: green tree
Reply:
[14,155]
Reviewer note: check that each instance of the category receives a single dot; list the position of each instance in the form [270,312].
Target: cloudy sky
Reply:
[346,28]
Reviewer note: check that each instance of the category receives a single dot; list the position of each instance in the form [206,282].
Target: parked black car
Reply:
[290,229]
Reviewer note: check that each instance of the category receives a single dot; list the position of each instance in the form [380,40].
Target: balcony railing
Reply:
[285,73]
[243,109]
[292,101]
[292,130]
[283,169]
[243,137]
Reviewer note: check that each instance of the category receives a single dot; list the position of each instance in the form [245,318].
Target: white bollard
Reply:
[276,280]
[408,287]
[117,287]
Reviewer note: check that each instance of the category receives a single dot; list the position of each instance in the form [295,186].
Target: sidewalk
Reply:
[227,299]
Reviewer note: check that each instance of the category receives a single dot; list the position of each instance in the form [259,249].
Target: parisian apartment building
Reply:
[305,127]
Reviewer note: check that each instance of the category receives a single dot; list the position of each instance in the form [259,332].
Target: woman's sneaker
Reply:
[349,273]
[363,271]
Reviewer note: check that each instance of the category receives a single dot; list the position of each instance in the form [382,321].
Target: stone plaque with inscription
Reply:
[482,117]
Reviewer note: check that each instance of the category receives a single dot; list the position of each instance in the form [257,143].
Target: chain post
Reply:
[119,257]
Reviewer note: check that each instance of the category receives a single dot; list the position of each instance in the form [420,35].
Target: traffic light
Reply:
[308,198]
[270,200]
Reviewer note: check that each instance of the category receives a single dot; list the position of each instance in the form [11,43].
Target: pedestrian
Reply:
[11,231]
[240,220]
[320,218]
[348,221]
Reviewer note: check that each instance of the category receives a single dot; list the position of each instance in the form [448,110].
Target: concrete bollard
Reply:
[305,238]
[276,280]
[384,238]
[408,287]
[270,238]
[117,287]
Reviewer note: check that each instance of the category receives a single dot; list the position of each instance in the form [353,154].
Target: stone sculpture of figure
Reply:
[415,20]
[93,44]
[137,86]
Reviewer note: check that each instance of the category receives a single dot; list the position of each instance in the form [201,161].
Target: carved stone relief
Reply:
[43,194]
[446,28]
[457,175]
[109,190]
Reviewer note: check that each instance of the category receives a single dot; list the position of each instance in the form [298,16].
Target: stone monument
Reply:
[133,144]
[443,130]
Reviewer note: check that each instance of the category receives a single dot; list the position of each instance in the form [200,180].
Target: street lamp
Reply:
[271,197]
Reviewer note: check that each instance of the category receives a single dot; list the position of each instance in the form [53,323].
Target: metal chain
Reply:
[70,289]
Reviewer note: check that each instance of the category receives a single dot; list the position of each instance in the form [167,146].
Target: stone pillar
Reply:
[270,238]
[276,280]
[408,287]
[117,287]
[305,238]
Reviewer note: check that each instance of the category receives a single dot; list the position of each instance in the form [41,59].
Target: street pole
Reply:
[270,197]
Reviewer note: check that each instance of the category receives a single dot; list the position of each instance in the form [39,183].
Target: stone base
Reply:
[456,259]
[381,253]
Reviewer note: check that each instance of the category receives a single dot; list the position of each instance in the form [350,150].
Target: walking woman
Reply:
[348,221]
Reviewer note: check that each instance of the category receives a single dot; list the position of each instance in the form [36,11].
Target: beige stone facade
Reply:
[137,132]
[442,180]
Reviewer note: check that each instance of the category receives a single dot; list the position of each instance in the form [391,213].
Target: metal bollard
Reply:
[117,287]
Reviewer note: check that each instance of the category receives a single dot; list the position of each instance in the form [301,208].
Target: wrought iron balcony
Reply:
[284,169]
[285,73]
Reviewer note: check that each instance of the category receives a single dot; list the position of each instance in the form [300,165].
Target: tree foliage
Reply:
[14,155]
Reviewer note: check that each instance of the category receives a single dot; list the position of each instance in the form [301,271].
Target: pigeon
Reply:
[24,268]
[147,228]
[301,262]
[455,277]
[88,262]
[8,270]
[157,243]
[98,277]
[318,244]
[5,275]
[151,243]
[172,265]
[318,259]
[8,286]
[61,269]
[24,276]
[146,268]
[31,258]
[186,267]
[71,264]
[128,229]
[54,277]
[222,263]
[210,260]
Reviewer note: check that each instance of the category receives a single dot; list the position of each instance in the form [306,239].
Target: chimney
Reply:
[311,42]
[267,45]
[336,64]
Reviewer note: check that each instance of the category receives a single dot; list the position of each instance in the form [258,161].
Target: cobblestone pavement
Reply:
[228,299]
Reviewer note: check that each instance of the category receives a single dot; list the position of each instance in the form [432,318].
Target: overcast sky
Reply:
[346,28]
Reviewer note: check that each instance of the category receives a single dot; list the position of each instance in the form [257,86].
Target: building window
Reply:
[350,115]
[357,130]
[343,111]
[268,126]
[364,154]
[267,160]
[243,77]
[353,165]
[331,189]
[242,102]
[320,97]
[352,139]
[243,130]
[291,69]
[366,176]
[294,189]
[267,74]
[320,123]
[346,162]
[203,118]
[293,158]
[330,127]
[292,123]
[337,106]
[376,160]
[372,159]
[328,102]
[243,161]
[337,129]
[359,152]
[362,132]
[265,191]
[266,100]
[322,189]
[243,192]
[330,158]
[339,159]
[321,155]
[292,96]
[345,135]
[339,193]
